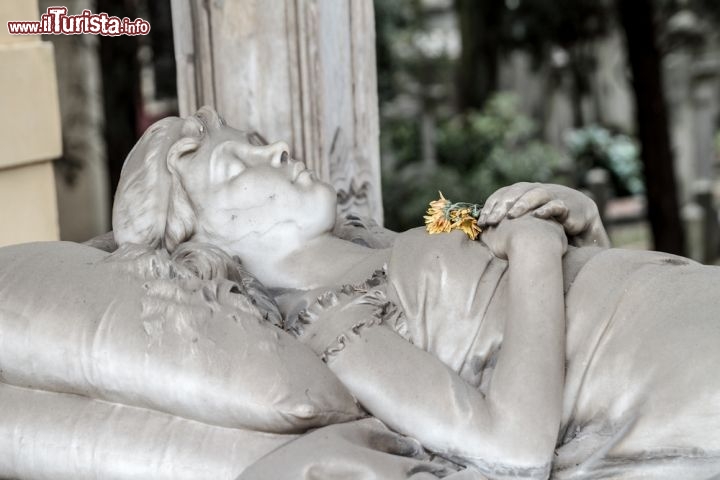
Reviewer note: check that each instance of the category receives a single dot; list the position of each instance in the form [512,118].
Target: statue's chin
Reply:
[329,204]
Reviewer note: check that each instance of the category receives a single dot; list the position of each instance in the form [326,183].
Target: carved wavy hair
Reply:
[151,206]
[192,268]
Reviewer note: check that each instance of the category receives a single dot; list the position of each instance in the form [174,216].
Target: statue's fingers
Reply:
[395,444]
[531,200]
[553,209]
[486,211]
[499,210]
[574,225]
[505,198]
[489,205]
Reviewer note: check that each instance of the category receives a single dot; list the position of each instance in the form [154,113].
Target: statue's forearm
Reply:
[413,392]
[527,385]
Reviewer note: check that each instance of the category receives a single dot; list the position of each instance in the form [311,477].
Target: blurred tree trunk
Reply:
[161,41]
[477,76]
[637,20]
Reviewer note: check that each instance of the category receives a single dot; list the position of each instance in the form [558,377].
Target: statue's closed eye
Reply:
[257,140]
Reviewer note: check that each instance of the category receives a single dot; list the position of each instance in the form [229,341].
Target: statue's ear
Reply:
[178,150]
[181,218]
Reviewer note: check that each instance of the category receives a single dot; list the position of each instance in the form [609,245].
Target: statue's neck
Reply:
[324,261]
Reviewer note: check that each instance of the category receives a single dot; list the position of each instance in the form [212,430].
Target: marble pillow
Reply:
[136,328]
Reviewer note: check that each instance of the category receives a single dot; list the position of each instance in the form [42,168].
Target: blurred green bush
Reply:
[476,153]
[597,147]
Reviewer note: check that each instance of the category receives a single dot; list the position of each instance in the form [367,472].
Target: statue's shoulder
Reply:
[419,248]
[449,260]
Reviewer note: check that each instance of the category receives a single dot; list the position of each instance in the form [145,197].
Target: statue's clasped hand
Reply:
[576,212]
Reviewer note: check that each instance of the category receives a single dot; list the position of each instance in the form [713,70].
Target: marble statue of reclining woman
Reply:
[516,355]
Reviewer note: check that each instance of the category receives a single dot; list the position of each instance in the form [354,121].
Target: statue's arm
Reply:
[516,424]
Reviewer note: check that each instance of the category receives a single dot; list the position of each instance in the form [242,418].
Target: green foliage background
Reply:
[478,150]
[477,153]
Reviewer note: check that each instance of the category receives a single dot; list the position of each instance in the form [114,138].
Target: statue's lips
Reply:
[298,170]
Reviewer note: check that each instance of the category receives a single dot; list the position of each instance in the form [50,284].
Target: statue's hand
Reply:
[527,233]
[577,213]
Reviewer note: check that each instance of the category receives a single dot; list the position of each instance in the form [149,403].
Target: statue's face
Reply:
[244,190]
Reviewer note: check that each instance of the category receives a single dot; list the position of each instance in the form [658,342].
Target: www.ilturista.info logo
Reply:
[57,22]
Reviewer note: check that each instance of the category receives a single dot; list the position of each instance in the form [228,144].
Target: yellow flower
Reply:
[444,216]
[456,215]
[436,220]
[439,205]
[467,224]
[437,225]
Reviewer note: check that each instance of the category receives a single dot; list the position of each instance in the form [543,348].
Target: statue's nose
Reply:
[279,153]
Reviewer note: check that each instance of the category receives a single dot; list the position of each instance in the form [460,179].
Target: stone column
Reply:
[302,71]
[29,131]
